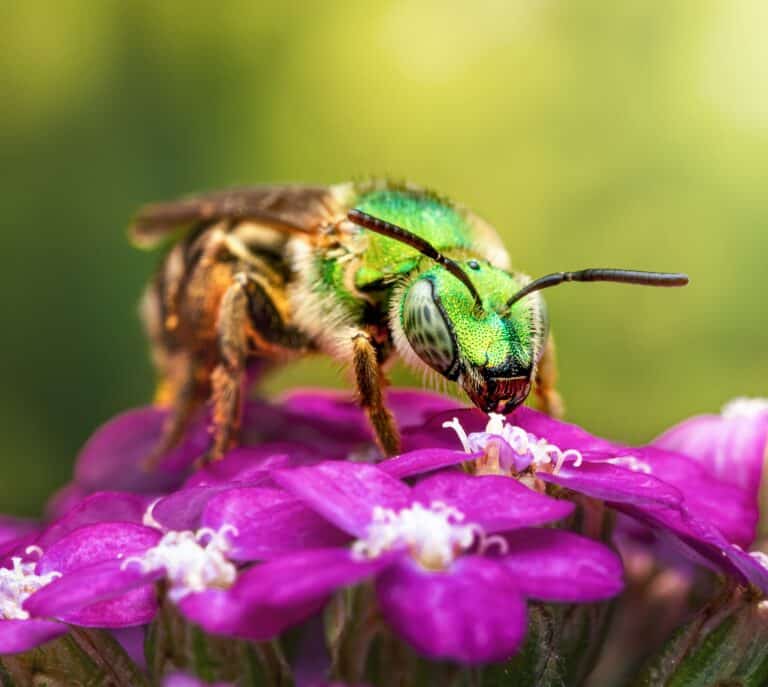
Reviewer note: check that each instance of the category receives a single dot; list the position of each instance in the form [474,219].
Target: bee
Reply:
[358,271]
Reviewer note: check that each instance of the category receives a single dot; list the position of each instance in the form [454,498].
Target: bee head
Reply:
[490,353]
[477,324]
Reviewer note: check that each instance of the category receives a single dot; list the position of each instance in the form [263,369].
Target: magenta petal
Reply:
[562,434]
[705,494]
[331,438]
[268,523]
[100,507]
[268,598]
[111,459]
[303,577]
[472,613]
[64,500]
[732,446]
[494,502]
[70,596]
[224,612]
[344,493]
[183,509]
[422,461]
[94,544]
[554,565]
[22,635]
[412,407]
[613,483]
[12,528]
[252,464]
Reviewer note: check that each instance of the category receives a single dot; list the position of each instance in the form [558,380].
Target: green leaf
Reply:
[726,644]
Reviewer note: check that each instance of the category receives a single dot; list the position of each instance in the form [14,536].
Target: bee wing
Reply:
[289,208]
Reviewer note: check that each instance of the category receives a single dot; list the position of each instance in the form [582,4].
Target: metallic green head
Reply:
[475,323]
[490,350]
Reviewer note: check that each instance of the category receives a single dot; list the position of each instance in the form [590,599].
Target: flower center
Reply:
[509,449]
[434,536]
[744,407]
[190,565]
[16,584]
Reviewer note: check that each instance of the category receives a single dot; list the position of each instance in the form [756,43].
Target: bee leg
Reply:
[548,399]
[184,397]
[229,376]
[370,384]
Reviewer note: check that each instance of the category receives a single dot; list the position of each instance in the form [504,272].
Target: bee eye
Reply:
[427,329]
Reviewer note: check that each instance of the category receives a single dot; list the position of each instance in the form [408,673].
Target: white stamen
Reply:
[17,584]
[34,549]
[744,407]
[435,536]
[190,565]
[455,425]
[148,520]
[542,453]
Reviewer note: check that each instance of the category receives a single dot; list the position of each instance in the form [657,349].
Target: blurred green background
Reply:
[590,133]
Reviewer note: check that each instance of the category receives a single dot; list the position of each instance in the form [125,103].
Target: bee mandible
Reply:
[359,272]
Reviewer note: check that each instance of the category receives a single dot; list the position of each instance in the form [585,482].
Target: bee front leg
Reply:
[229,376]
[370,385]
[548,399]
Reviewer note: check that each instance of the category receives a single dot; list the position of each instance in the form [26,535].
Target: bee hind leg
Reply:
[548,399]
[184,392]
[230,375]
[370,384]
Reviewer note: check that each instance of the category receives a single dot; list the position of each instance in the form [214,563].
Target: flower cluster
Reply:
[449,542]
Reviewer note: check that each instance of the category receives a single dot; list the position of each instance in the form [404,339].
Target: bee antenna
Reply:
[600,274]
[393,231]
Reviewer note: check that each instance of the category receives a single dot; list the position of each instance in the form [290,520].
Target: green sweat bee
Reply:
[359,272]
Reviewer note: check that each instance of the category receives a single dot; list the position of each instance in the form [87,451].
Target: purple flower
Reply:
[731,445]
[21,576]
[321,424]
[18,630]
[453,560]
[195,539]
[673,493]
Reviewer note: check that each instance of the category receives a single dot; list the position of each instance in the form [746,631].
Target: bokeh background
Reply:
[591,133]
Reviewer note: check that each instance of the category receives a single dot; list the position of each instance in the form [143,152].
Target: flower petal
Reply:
[99,507]
[22,635]
[273,596]
[263,422]
[306,576]
[494,502]
[183,509]
[268,523]
[95,595]
[562,434]
[112,457]
[96,543]
[613,483]
[732,446]
[473,612]
[223,612]
[344,493]
[705,494]
[252,464]
[422,461]
[554,565]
